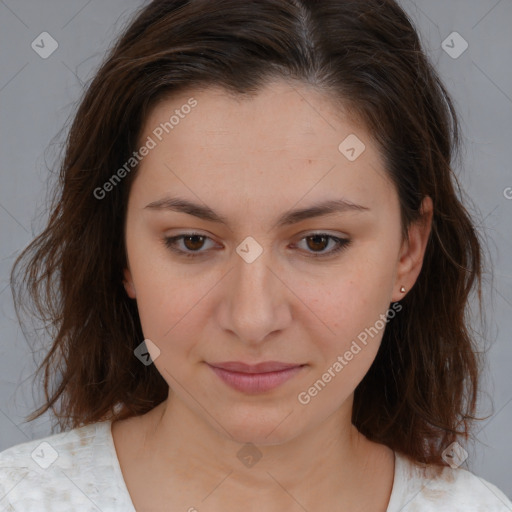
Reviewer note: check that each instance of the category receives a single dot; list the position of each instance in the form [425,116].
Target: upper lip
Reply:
[264,367]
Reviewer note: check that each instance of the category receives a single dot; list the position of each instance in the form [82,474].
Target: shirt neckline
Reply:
[116,464]
[395,498]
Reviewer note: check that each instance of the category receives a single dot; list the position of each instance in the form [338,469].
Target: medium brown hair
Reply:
[420,393]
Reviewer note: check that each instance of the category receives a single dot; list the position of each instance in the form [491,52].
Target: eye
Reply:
[319,241]
[192,242]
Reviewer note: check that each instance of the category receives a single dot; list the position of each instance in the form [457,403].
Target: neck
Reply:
[333,458]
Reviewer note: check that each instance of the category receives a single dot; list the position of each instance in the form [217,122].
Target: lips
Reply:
[265,367]
[256,378]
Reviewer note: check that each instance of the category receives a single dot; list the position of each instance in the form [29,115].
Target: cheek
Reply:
[170,318]
[358,290]
[167,308]
[344,353]
[351,307]
[172,303]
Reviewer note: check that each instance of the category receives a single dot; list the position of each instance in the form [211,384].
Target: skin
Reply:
[251,159]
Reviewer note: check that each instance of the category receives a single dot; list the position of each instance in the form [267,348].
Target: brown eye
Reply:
[317,243]
[191,244]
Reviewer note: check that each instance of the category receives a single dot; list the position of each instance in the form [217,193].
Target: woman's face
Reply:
[256,276]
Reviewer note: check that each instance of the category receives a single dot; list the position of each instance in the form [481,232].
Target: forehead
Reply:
[278,117]
[286,142]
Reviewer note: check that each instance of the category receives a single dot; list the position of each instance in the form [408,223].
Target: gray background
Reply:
[38,95]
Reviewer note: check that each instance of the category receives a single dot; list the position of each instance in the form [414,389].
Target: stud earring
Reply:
[402,289]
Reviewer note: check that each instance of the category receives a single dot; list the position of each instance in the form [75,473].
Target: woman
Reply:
[257,271]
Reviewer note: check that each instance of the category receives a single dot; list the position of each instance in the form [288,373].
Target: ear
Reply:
[128,284]
[412,251]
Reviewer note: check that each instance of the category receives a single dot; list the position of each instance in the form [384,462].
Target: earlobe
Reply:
[413,250]
[128,284]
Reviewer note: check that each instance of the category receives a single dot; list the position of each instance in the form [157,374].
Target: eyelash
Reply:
[170,243]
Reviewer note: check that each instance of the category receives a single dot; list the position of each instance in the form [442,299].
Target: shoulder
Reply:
[428,488]
[71,470]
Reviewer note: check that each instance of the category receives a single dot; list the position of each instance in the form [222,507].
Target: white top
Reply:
[79,471]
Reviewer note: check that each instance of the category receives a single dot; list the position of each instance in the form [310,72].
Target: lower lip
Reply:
[254,383]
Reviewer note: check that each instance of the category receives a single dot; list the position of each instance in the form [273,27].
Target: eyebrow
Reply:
[290,217]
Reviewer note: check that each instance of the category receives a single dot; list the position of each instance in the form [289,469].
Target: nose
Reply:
[256,301]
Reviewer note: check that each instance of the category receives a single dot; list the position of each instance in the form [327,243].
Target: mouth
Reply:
[258,378]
